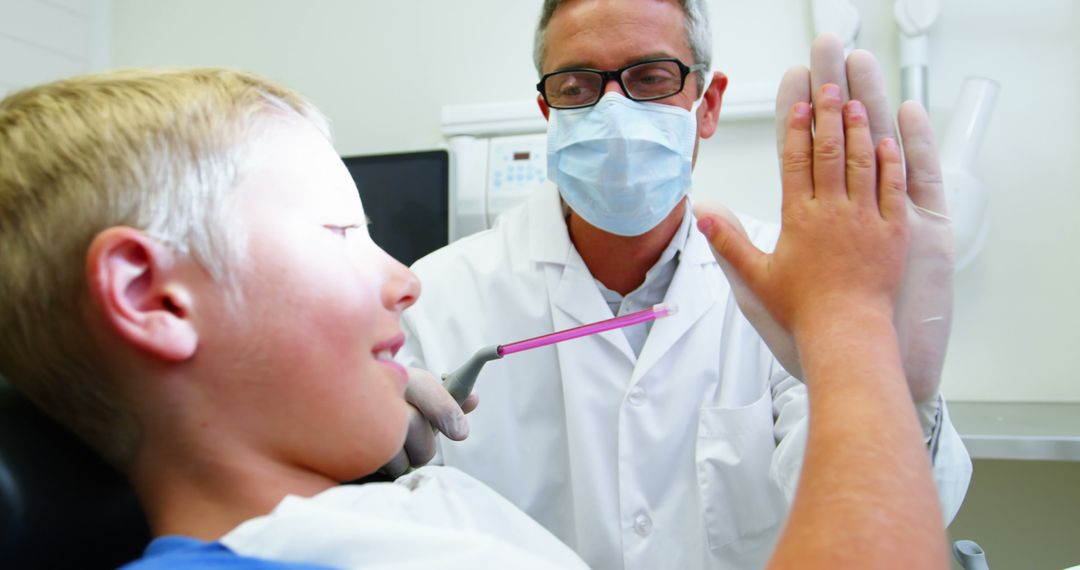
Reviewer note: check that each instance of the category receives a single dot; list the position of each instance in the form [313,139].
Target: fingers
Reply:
[397,466]
[827,65]
[436,404]
[730,242]
[704,208]
[828,155]
[893,192]
[794,88]
[802,84]
[430,406]
[419,440]
[470,402]
[859,77]
[924,179]
[797,162]
[867,84]
[861,166]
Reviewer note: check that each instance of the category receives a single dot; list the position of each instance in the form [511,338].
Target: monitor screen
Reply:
[406,197]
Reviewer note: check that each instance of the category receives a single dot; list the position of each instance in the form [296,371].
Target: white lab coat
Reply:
[684,457]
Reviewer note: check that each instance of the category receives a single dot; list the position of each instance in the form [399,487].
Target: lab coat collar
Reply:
[695,289]
[577,296]
[549,238]
[571,286]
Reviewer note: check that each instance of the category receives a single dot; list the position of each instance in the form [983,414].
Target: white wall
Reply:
[41,40]
[380,70]
[383,70]
[1016,303]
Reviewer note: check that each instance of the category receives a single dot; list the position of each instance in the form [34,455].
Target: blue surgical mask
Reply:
[622,165]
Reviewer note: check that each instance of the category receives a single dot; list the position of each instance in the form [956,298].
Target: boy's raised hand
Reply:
[844,233]
[923,312]
[924,307]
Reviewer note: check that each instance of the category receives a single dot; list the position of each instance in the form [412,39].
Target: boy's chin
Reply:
[370,474]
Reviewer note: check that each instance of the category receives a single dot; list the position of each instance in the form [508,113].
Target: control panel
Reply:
[517,165]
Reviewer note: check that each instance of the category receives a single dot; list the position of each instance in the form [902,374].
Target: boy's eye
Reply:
[341,231]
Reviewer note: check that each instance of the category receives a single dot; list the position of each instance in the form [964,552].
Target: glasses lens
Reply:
[572,88]
[653,80]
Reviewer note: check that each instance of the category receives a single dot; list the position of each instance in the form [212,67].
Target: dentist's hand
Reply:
[431,406]
[844,235]
[924,307]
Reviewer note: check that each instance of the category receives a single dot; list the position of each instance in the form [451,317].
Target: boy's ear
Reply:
[135,282]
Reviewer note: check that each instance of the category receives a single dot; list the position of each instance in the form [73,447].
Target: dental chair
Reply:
[60,505]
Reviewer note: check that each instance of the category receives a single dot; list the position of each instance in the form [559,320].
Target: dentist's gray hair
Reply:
[698,34]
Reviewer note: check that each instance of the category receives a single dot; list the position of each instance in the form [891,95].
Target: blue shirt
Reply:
[172,552]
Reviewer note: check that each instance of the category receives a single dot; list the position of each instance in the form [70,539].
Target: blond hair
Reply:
[154,150]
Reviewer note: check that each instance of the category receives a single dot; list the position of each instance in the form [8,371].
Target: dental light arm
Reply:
[915,18]
[966,195]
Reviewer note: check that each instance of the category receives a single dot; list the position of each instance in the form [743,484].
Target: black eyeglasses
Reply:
[642,81]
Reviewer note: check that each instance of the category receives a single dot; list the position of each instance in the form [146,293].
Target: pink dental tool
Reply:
[460,382]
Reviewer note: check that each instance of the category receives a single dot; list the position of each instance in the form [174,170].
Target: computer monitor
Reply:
[406,196]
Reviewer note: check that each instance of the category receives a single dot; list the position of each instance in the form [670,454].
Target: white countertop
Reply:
[1013,430]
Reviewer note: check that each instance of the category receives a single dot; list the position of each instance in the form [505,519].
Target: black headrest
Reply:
[61,506]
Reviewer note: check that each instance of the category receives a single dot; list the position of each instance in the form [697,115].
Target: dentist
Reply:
[672,444]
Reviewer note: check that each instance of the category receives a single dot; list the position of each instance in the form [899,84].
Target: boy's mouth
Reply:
[384,354]
[386,349]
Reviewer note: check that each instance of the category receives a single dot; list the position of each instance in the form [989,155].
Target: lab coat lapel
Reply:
[575,299]
[694,288]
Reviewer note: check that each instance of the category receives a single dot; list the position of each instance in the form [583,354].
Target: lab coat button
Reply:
[642,525]
[636,396]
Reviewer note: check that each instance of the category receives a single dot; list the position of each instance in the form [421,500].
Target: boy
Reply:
[189,286]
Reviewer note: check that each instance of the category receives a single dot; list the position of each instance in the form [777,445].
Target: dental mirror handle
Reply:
[460,382]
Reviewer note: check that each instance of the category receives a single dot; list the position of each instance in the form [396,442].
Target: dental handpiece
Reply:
[460,382]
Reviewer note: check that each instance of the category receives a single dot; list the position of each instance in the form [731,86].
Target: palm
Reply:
[924,307]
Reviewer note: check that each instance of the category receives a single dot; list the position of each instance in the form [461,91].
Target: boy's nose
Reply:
[402,288]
